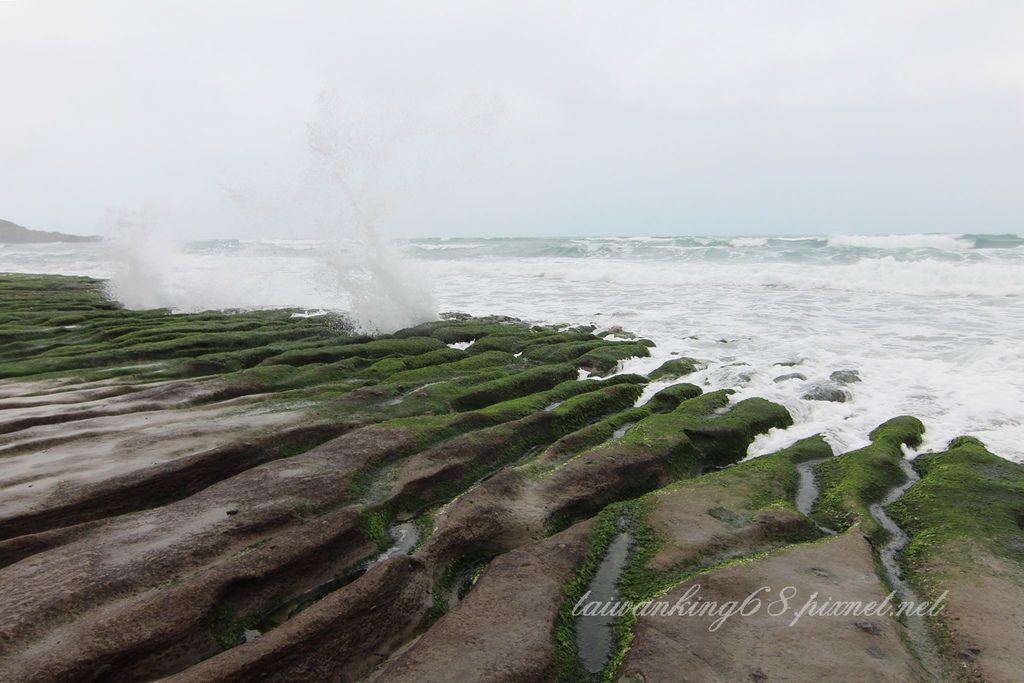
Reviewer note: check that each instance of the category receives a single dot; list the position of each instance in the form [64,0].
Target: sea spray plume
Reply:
[140,260]
[385,291]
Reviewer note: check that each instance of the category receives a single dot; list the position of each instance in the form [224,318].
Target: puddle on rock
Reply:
[594,637]
[398,399]
[621,431]
[406,535]
[808,490]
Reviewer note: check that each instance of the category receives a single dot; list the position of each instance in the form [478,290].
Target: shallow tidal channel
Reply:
[594,633]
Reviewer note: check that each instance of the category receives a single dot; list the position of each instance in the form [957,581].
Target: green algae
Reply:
[392,365]
[717,438]
[670,397]
[965,520]
[562,352]
[671,369]
[774,477]
[67,326]
[762,483]
[851,482]
[508,406]
[606,358]
[688,441]
[378,348]
[518,342]
[465,364]
[376,525]
[496,447]
[530,381]
[965,493]
[580,441]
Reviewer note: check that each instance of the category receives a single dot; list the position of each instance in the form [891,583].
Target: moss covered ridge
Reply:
[754,494]
[254,471]
[965,518]
[849,484]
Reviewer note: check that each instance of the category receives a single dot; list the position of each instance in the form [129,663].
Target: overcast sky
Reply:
[244,119]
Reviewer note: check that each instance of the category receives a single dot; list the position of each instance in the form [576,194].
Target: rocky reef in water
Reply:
[252,495]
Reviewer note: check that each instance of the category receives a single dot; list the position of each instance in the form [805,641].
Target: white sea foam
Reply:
[372,283]
[885,275]
[748,241]
[920,241]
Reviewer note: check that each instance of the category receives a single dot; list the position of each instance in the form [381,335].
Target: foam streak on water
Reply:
[932,323]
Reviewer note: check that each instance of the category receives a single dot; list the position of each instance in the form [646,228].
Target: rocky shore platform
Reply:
[265,496]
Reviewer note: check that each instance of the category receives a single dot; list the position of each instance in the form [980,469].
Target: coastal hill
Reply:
[12,233]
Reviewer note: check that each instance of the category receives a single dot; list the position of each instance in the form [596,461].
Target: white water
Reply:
[933,323]
[381,292]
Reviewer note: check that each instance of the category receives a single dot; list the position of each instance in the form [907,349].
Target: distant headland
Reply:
[12,233]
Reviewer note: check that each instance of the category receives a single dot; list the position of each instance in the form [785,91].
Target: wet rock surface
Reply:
[691,648]
[251,496]
[825,392]
[845,377]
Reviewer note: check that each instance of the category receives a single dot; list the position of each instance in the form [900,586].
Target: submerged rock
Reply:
[617,331]
[787,377]
[845,376]
[827,393]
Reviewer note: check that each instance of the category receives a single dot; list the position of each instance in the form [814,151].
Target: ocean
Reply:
[933,324]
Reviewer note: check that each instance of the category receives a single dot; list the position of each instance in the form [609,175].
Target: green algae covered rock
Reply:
[853,481]
[677,367]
